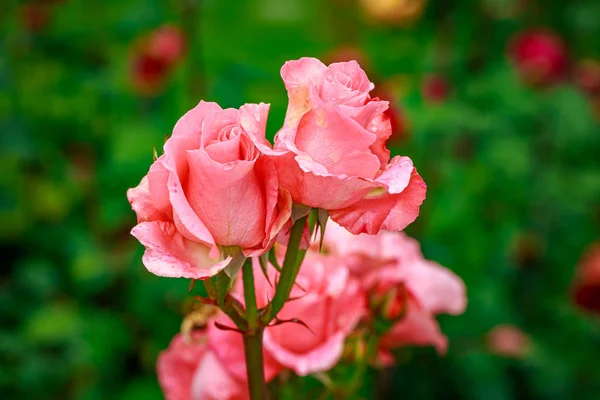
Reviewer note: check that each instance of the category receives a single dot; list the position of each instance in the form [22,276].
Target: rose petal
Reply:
[177,364]
[337,142]
[169,254]
[393,210]
[228,198]
[418,327]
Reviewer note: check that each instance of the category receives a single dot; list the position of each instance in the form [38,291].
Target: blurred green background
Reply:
[511,159]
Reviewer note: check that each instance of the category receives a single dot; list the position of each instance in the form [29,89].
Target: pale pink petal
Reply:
[417,328]
[315,188]
[319,359]
[338,143]
[391,210]
[228,198]
[212,381]
[437,289]
[298,76]
[169,254]
[177,364]
[190,124]
[253,119]
[143,204]
[278,207]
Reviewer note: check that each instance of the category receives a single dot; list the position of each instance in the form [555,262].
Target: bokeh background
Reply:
[496,101]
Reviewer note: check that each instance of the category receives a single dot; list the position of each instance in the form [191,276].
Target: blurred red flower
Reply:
[154,57]
[435,88]
[540,56]
[586,285]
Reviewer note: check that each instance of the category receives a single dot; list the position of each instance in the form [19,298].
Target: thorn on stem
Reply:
[226,328]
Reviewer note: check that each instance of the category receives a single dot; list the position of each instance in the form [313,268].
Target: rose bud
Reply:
[212,197]
[507,341]
[331,153]
[539,56]
[586,286]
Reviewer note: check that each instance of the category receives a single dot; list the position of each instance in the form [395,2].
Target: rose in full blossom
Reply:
[586,285]
[540,56]
[211,196]
[393,261]
[331,152]
[191,371]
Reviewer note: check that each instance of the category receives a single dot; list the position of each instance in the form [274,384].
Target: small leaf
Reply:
[154,154]
[273,260]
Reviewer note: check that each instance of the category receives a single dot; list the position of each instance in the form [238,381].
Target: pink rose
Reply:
[211,189]
[331,151]
[193,372]
[326,299]
[392,259]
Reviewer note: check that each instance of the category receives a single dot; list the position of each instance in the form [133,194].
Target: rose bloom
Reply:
[540,56]
[331,152]
[507,341]
[193,372]
[211,196]
[393,261]
[586,285]
[325,298]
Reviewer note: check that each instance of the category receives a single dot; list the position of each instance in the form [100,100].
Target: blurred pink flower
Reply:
[507,341]
[586,285]
[211,188]
[540,56]
[167,43]
[393,261]
[193,372]
[331,152]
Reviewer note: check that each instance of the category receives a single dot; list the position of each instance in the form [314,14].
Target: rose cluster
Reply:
[222,198]
[221,191]
[356,283]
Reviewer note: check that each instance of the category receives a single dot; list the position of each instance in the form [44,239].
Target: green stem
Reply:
[289,270]
[250,296]
[253,349]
